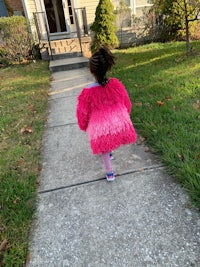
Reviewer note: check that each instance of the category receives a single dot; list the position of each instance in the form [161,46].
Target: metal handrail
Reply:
[35,16]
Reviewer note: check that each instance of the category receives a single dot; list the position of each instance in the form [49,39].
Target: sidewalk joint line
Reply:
[101,178]
[62,125]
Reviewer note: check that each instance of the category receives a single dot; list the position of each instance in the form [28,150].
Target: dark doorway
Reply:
[55,16]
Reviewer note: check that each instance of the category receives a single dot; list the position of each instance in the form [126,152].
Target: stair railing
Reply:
[81,12]
[37,16]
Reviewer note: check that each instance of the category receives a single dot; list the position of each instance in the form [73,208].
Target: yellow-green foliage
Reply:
[16,39]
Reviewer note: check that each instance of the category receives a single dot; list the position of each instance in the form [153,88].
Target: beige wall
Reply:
[90,8]
[141,2]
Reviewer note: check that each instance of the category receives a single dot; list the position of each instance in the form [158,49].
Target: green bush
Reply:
[104,26]
[16,40]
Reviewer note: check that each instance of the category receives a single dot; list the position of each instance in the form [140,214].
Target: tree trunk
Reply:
[187,27]
[187,35]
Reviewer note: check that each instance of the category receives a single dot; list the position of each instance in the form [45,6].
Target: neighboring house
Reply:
[137,6]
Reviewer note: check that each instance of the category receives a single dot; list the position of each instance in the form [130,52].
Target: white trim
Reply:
[75,4]
[39,5]
[133,6]
[26,10]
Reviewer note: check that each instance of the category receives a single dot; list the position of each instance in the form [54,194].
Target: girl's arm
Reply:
[83,110]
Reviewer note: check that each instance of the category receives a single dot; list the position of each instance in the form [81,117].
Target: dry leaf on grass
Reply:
[160,103]
[3,244]
[138,104]
[26,130]
[31,108]
[196,105]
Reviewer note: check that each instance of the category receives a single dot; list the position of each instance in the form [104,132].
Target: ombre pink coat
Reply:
[104,113]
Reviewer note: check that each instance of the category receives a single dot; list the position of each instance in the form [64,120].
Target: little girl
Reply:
[103,111]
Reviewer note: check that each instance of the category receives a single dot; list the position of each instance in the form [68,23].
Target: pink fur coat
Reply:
[103,112]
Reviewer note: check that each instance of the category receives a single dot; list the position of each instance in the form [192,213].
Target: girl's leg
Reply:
[107,164]
[106,161]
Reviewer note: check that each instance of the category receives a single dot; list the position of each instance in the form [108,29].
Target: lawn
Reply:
[23,105]
[164,86]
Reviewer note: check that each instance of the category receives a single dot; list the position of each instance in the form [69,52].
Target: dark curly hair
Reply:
[100,62]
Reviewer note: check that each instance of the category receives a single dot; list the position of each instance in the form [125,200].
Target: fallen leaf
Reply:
[138,104]
[196,105]
[181,157]
[39,167]
[198,156]
[31,108]
[26,130]
[3,244]
[140,140]
[16,200]
[160,103]
[20,161]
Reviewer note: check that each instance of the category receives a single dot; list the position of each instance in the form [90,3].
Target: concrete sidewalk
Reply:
[141,219]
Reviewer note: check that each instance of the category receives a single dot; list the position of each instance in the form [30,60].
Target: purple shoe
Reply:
[110,176]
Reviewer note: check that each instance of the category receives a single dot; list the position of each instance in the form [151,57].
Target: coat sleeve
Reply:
[125,97]
[127,101]
[83,109]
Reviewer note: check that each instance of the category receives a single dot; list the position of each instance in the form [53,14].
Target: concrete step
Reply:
[68,64]
[66,55]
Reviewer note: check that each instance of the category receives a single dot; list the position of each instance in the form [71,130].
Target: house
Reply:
[58,23]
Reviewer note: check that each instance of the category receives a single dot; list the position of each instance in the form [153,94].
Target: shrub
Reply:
[16,40]
[104,26]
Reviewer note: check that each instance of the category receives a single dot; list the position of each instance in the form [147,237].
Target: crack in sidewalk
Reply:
[62,125]
[160,166]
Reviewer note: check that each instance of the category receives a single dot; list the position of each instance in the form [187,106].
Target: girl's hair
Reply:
[100,62]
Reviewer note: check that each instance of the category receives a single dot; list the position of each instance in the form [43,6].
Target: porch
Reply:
[57,41]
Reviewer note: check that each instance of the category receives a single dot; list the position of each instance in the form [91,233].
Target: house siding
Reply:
[141,3]
[141,6]
[90,9]
[31,6]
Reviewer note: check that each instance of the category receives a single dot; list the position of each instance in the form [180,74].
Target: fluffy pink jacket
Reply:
[103,112]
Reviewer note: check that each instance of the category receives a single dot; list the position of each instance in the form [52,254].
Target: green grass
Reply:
[164,86]
[23,103]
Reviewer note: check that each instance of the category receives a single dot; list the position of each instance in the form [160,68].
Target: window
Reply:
[127,2]
[70,8]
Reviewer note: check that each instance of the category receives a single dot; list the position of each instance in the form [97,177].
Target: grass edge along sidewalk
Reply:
[23,105]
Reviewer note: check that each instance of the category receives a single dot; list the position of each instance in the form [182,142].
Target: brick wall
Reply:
[16,6]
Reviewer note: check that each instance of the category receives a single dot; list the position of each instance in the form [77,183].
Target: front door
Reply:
[60,16]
